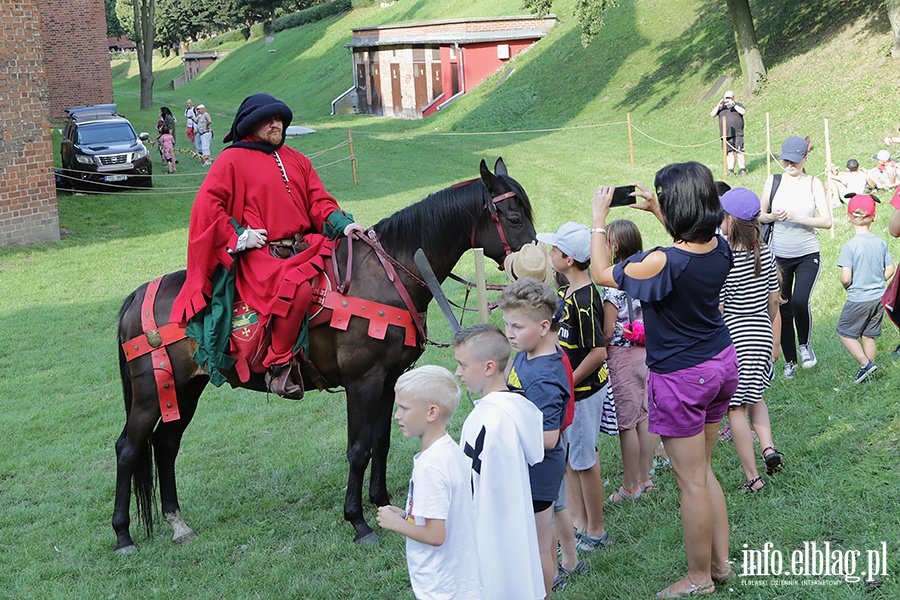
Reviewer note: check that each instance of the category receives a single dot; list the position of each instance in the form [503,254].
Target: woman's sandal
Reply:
[748,488]
[721,577]
[694,590]
[774,460]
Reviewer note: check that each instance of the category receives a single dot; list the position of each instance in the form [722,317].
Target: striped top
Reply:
[741,294]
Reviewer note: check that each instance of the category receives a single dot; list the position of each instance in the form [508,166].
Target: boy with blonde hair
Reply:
[439,520]
[865,264]
[501,437]
[539,372]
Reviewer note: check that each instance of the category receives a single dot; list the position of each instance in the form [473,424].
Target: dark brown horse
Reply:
[492,213]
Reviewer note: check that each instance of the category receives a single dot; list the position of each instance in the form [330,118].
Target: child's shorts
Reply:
[585,429]
[861,319]
[560,503]
[681,403]
[628,378]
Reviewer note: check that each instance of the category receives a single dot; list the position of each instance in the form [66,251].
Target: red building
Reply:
[414,69]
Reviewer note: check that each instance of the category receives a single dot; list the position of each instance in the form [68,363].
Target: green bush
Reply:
[309,15]
[257,30]
[229,37]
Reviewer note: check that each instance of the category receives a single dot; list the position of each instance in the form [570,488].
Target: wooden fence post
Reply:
[481,286]
[724,152]
[352,156]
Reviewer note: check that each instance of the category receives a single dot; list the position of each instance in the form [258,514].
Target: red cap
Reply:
[861,202]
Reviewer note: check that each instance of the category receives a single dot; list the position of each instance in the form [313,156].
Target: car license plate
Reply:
[109,178]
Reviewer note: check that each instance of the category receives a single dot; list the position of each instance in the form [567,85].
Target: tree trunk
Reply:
[144,20]
[752,67]
[893,8]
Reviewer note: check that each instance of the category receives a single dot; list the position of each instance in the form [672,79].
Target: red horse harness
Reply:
[154,341]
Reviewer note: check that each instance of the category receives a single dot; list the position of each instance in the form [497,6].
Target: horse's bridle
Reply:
[491,207]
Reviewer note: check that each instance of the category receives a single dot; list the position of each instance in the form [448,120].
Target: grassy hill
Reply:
[827,60]
[261,480]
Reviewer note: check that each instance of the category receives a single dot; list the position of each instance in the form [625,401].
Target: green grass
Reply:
[262,480]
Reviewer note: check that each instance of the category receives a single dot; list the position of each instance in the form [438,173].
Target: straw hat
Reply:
[530,261]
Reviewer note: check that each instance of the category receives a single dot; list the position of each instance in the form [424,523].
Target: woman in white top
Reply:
[797,210]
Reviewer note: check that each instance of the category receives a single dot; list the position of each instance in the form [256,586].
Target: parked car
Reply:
[101,151]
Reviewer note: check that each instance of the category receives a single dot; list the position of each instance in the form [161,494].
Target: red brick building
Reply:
[413,69]
[28,192]
[76,53]
[54,55]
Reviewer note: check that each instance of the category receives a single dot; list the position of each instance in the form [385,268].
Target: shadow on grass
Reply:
[783,30]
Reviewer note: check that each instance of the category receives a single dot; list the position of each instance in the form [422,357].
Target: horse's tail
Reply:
[142,473]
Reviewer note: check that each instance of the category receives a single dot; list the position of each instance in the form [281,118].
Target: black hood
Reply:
[254,110]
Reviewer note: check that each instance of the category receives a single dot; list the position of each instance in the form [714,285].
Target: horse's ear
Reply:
[500,168]
[490,180]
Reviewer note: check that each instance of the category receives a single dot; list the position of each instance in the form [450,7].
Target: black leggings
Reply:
[798,277]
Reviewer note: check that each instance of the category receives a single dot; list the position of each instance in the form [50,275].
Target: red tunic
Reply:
[247,185]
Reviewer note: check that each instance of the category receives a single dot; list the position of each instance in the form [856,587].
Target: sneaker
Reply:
[865,371]
[646,487]
[896,352]
[807,356]
[588,544]
[789,370]
[622,495]
[743,172]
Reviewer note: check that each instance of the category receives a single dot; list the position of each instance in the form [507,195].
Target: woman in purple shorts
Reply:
[692,362]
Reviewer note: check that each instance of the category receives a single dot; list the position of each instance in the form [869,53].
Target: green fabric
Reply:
[211,327]
[335,224]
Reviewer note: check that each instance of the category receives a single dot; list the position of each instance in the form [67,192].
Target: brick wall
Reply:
[28,192]
[456,26]
[76,53]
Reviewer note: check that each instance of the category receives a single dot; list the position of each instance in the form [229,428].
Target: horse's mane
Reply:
[443,215]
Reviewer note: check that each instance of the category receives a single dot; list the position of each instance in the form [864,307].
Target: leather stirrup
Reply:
[285,380]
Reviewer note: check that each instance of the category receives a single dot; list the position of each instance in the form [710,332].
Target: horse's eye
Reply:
[514,219]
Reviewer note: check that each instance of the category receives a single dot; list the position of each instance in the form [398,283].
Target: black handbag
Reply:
[767,229]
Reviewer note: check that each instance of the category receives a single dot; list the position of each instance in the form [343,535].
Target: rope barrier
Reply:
[513,131]
[648,136]
[333,163]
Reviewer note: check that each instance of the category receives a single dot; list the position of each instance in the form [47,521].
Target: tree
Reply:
[752,67]
[144,17]
[113,26]
[893,8]
[588,12]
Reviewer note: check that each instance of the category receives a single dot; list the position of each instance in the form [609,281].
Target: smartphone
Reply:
[622,196]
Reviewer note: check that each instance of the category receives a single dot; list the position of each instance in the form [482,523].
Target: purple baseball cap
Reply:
[741,203]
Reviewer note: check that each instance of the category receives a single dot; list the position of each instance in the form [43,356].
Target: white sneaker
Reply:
[789,370]
[807,356]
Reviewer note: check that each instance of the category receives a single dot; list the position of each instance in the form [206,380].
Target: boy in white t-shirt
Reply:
[439,520]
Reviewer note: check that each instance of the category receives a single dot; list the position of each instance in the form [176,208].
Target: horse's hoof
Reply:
[185,538]
[369,539]
[125,550]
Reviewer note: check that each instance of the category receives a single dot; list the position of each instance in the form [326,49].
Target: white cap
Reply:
[200,106]
[729,94]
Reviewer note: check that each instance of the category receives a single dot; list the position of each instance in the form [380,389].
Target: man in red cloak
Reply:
[258,196]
